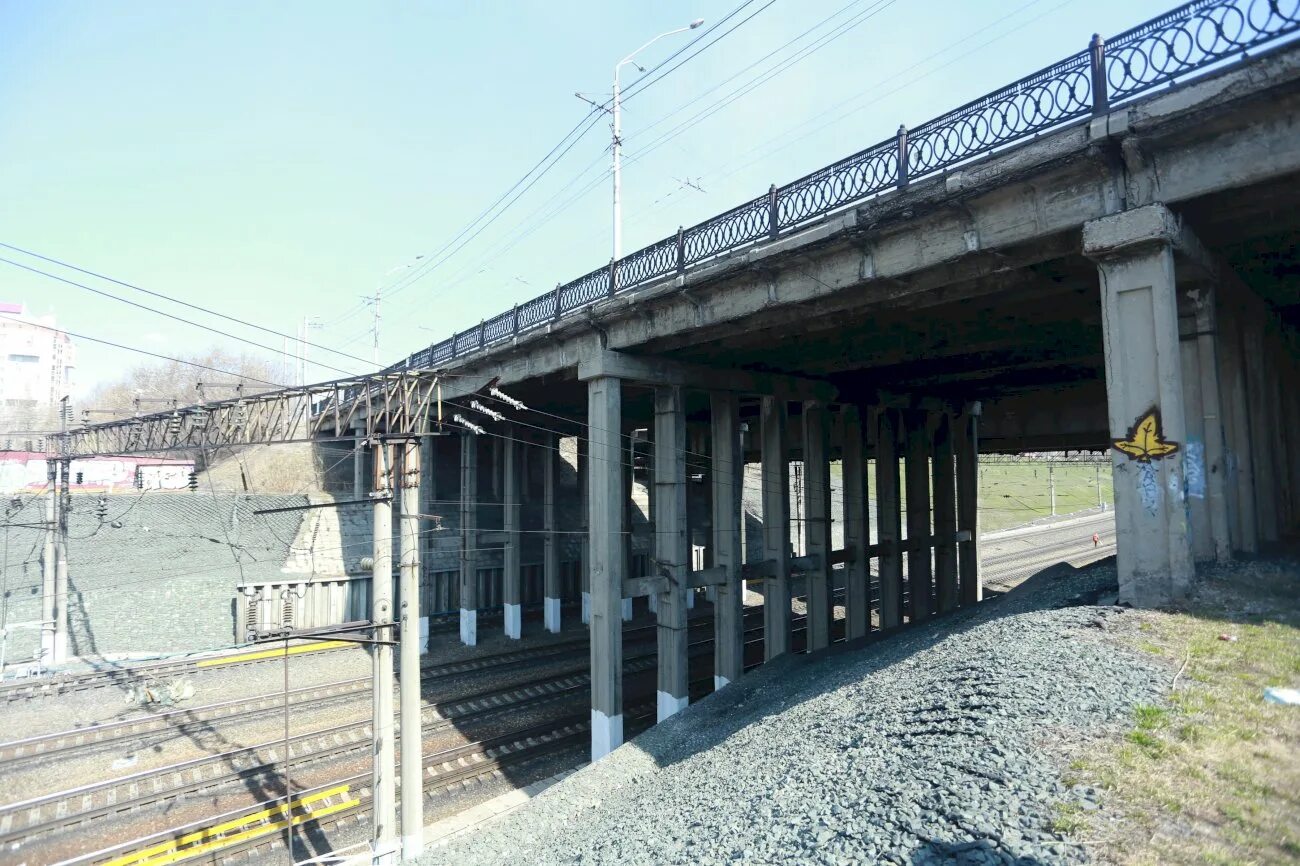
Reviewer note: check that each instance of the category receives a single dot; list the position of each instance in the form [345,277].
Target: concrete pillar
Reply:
[889,520]
[426,495]
[383,779]
[608,559]
[512,577]
[920,581]
[550,453]
[817,526]
[1236,427]
[857,574]
[1144,392]
[584,549]
[412,734]
[672,549]
[970,587]
[776,527]
[727,479]
[1262,425]
[944,486]
[1211,422]
[629,475]
[469,555]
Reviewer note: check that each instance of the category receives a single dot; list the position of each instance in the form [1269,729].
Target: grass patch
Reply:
[1212,776]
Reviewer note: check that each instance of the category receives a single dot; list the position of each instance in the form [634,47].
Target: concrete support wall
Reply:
[608,554]
[512,586]
[944,486]
[970,587]
[672,548]
[1236,416]
[776,526]
[920,579]
[817,522]
[889,519]
[1144,391]
[727,478]
[469,554]
[857,578]
[584,509]
[549,451]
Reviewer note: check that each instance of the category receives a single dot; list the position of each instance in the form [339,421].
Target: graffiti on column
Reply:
[1194,468]
[1143,444]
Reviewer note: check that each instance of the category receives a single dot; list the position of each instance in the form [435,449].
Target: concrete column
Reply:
[1144,392]
[1236,417]
[971,588]
[426,495]
[469,555]
[383,780]
[672,548]
[512,577]
[889,520]
[608,560]
[817,526]
[727,478]
[1262,424]
[944,486]
[550,453]
[584,549]
[412,732]
[629,475]
[1215,468]
[776,527]
[857,574]
[920,580]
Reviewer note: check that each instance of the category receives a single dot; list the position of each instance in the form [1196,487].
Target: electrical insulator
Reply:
[139,478]
[194,481]
[80,476]
[101,508]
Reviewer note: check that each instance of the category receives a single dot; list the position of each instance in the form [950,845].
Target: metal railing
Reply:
[1159,52]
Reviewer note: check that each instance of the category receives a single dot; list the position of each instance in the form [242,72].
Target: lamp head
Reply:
[696,23]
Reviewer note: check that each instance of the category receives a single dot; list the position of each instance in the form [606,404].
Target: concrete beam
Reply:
[659,371]
[857,577]
[920,578]
[512,578]
[469,542]
[817,525]
[549,449]
[776,527]
[970,588]
[944,486]
[889,519]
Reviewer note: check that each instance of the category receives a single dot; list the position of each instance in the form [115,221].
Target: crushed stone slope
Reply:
[940,745]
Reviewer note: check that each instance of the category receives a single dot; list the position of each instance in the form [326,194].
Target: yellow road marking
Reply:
[202,841]
[272,653]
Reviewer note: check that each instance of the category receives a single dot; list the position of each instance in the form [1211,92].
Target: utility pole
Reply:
[47,561]
[1051,485]
[61,541]
[412,726]
[384,787]
[373,301]
[308,322]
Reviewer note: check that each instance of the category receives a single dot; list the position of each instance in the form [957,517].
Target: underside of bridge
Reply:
[1130,284]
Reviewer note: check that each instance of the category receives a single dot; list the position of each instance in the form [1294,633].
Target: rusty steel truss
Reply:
[393,404]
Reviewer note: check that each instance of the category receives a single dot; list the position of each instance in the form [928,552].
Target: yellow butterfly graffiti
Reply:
[1145,441]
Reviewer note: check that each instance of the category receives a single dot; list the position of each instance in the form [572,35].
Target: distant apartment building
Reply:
[36,367]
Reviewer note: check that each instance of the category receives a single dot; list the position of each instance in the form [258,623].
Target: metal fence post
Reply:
[613,265]
[455,340]
[555,316]
[773,216]
[480,333]
[1100,88]
[681,250]
[902,155]
[514,319]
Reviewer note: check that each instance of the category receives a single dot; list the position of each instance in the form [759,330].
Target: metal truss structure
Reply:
[392,404]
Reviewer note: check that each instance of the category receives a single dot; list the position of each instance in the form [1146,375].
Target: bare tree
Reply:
[150,387]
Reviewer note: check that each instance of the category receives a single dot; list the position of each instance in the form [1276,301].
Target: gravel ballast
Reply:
[942,744]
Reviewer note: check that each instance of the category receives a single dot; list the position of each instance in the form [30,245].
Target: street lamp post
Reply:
[618,134]
[374,299]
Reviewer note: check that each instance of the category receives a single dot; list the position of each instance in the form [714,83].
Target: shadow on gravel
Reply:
[795,679]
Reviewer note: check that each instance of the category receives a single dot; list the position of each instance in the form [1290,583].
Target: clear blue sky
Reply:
[276,160]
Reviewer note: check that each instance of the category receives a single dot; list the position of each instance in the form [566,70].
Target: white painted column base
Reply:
[669,705]
[606,734]
[719,682]
[412,846]
[514,617]
[551,612]
[469,627]
[586,608]
[627,610]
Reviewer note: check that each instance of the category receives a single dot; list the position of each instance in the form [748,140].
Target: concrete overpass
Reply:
[1101,255]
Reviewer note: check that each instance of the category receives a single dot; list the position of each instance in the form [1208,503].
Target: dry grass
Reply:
[1213,776]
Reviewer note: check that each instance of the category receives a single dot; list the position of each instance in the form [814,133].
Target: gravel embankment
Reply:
[941,745]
